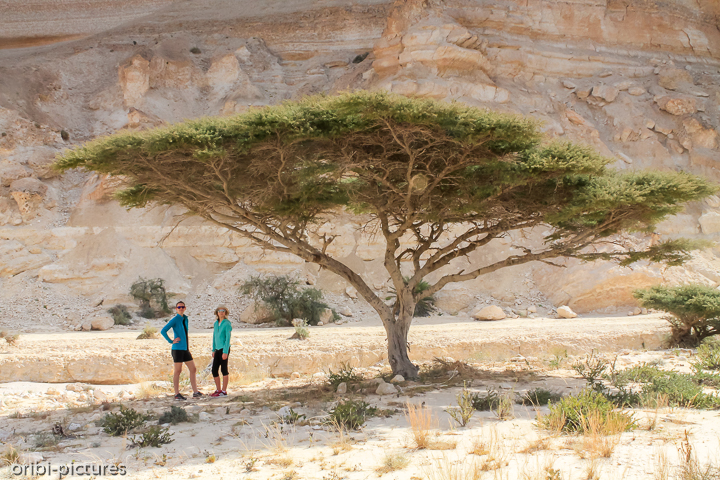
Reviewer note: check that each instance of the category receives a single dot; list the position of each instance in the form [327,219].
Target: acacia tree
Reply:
[437,180]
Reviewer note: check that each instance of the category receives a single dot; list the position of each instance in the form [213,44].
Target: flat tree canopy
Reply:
[450,177]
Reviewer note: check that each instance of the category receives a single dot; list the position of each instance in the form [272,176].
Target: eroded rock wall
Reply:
[638,80]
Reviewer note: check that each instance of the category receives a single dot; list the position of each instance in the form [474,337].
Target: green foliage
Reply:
[175,415]
[118,424]
[151,296]
[681,390]
[465,409]
[570,414]
[285,299]
[345,374]
[120,314]
[292,417]
[695,310]
[155,436]
[539,396]
[351,414]
[708,357]
[45,440]
[301,330]
[485,402]
[424,305]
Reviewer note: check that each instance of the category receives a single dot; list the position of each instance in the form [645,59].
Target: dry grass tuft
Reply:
[343,442]
[422,424]
[542,443]
[9,456]
[662,466]
[283,462]
[393,462]
[445,469]
[542,469]
[494,455]
[247,376]
[149,390]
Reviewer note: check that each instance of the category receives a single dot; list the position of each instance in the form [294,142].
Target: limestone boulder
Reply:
[566,312]
[102,323]
[490,312]
[454,298]
[710,223]
[256,313]
[386,389]
[677,104]
[10,171]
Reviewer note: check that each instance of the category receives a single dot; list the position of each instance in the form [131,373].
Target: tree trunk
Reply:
[397,329]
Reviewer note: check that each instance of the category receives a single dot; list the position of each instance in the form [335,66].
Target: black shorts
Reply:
[181,356]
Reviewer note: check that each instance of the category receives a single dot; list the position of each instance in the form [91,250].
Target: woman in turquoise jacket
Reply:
[181,350]
[222,329]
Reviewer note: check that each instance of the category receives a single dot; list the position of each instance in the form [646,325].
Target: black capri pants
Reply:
[219,363]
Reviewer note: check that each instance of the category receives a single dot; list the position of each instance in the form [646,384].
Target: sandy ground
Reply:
[243,435]
[116,357]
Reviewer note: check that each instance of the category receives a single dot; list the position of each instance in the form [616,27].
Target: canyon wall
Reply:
[638,80]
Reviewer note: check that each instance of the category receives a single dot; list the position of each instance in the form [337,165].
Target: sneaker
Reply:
[216,393]
[180,397]
[223,393]
[197,394]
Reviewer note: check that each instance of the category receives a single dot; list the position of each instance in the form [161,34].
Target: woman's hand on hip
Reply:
[177,340]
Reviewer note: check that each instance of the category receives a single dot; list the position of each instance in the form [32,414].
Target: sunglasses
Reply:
[222,310]
[180,308]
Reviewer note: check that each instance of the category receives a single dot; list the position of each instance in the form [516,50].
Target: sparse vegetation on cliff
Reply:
[151,296]
[285,299]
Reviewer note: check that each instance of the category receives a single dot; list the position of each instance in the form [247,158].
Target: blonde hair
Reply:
[227,312]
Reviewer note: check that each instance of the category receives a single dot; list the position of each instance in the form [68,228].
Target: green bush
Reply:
[351,414]
[175,415]
[695,310]
[301,330]
[538,396]
[118,424]
[572,413]
[285,299]
[345,374]
[120,314]
[148,333]
[151,297]
[155,436]
[708,357]
[485,402]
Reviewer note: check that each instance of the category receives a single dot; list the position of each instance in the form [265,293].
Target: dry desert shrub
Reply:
[691,467]
[10,338]
[538,445]
[393,462]
[9,455]
[600,436]
[342,442]
[662,466]
[149,390]
[148,333]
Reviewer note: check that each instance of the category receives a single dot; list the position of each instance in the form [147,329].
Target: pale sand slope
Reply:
[242,432]
[116,357]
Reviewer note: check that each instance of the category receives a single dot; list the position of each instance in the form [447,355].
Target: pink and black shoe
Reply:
[216,393]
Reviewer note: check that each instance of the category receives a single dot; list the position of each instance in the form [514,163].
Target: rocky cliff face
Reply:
[637,79]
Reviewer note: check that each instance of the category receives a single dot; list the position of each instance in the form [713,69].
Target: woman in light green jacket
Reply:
[222,330]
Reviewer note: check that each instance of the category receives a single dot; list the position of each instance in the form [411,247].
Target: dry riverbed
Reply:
[250,434]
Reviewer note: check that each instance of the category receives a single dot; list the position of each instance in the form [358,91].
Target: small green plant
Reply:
[504,409]
[301,330]
[557,360]
[285,299]
[570,414]
[120,314]
[708,357]
[346,374]
[45,440]
[538,396]
[485,402]
[118,424]
[592,369]
[151,296]
[155,436]
[291,417]
[148,333]
[465,410]
[351,414]
[694,310]
[175,415]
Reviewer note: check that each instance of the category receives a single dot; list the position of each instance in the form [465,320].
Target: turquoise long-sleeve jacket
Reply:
[221,335]
[179,325]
